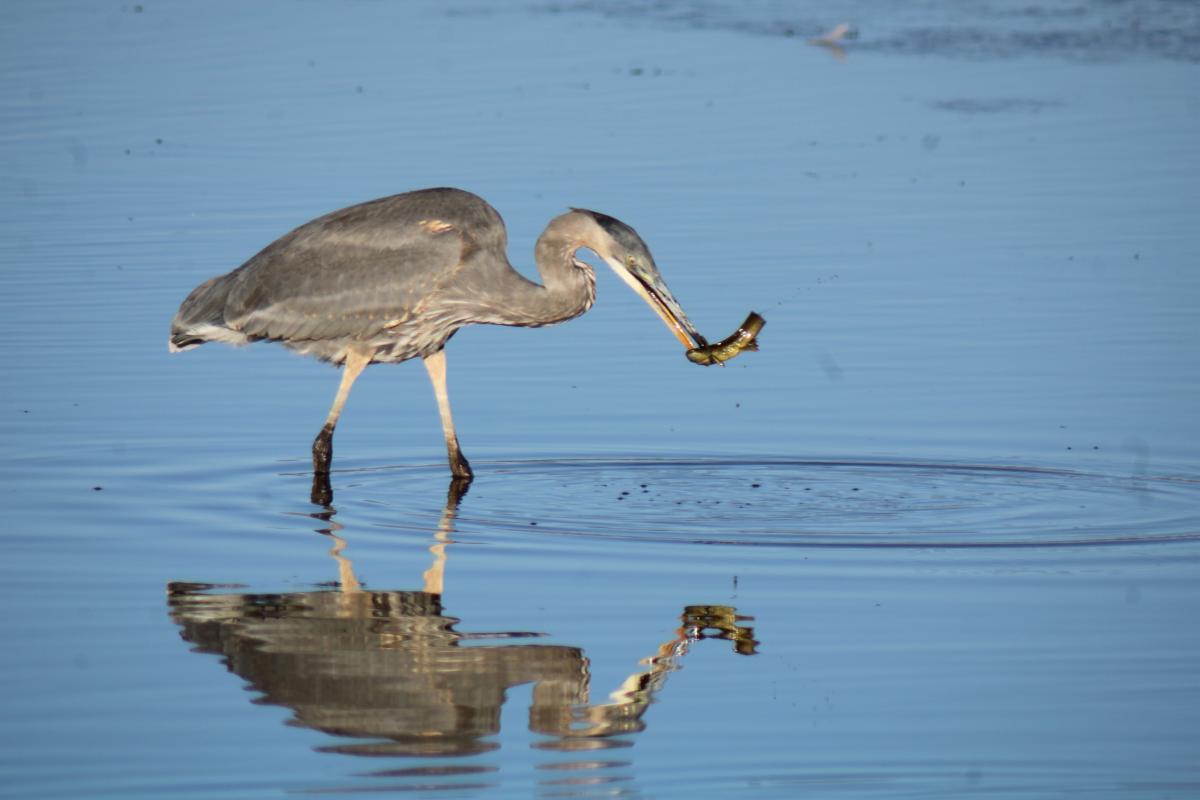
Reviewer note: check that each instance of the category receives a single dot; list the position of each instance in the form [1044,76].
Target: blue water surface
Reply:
[938,537]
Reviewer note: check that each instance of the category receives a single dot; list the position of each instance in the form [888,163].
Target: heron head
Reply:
[623,250]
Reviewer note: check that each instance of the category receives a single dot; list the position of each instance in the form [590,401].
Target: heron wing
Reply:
[351,273]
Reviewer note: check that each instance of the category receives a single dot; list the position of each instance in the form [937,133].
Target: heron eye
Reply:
[631,261]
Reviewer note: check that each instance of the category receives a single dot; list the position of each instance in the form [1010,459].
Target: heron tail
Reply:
[201,318]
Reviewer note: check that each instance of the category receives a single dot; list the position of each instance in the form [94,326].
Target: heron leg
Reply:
[322,449]
[436,366]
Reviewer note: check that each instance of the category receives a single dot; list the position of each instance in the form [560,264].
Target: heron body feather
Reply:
[399,275]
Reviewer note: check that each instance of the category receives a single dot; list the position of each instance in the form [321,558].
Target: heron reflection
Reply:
[389,669]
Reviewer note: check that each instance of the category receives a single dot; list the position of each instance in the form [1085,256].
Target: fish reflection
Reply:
[390,671]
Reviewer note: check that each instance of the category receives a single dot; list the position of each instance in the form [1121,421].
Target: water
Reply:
[939,537]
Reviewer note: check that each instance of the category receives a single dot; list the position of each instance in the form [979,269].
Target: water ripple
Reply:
[843,503]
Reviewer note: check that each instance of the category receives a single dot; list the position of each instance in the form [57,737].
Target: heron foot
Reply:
[322,490]
[459,467]
[322,450]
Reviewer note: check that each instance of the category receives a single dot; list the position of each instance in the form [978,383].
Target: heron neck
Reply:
[568,284]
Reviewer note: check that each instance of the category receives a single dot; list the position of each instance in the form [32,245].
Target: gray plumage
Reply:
[394,278]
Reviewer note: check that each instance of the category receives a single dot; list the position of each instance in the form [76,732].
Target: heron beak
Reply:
[647,282]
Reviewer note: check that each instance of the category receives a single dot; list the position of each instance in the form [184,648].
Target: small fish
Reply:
[727,348]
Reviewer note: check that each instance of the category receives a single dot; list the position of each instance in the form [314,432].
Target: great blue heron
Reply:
[394,278]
